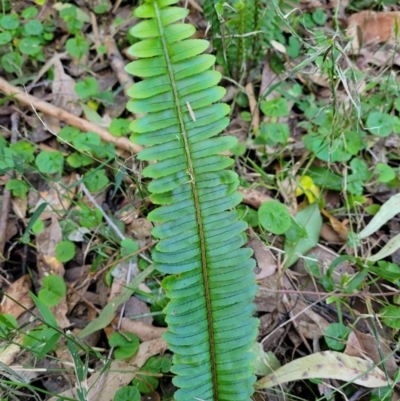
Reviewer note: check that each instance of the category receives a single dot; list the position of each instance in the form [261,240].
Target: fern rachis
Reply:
[211,282]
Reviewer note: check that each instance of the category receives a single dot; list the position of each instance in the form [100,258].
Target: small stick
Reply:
[62,115]
[117,64]
[255,112]
[6,193]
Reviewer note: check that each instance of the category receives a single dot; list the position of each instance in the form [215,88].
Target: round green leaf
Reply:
[86,88]
[77,160]
[12,62]
[77,47]
[96,180]
[119,127]
[33,27]
[319,16]
[386,173]
[38,226]
[126,345]
[129,246]
[30,46]
[275,108]
[335,336]
[23,151]
[127,393]
[5,37]
[274,217]
[380,124]
[68,134]
[53,290]
[65,251]
[29,12]
[391,316]
[19,188]
[9,21]
[50,162]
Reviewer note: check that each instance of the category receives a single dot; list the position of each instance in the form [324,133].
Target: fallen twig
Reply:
[117,64]
[5,205]
[62,115]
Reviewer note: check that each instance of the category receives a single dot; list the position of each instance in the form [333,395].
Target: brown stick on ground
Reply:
[117,64]
[62,115]
[5,205]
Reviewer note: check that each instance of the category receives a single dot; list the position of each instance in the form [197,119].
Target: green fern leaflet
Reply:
[211,284]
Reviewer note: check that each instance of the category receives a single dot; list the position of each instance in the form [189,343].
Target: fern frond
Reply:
[241,32]
[211,284]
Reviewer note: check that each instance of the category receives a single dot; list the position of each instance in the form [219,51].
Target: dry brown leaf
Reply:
[327,365]
[337,225]
[19,292]
[46,242]
[265,259]
[369,27]
[138,310]
[64,96]
[145,332]
[120,373]
[19,207]
[268,78]
[308,323]
[59,197]
[253,197]
[329,234]
[60,313]
[380,57]
[9,353]
[366,346]
[63,90]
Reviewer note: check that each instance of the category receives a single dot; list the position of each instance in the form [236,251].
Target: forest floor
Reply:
[316,110]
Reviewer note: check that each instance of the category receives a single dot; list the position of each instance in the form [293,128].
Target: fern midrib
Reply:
[196,202]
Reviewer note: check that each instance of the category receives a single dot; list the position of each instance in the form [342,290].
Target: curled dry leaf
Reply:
[145,332]
[368,347]
[253,198]
[9,353]
[64,96]
[64,93]
[46,242]
[337,225]
[266,262]
[16,299]
[308,323]
[327,365]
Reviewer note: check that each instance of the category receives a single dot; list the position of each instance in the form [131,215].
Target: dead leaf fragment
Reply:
[59,197]
[253,197]
[368,27]
[327,365]
[368,347]
[265,259]
[103,386]
[17,299]
[145,332]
